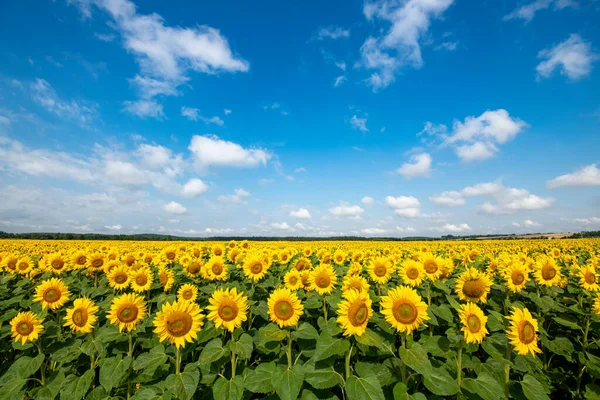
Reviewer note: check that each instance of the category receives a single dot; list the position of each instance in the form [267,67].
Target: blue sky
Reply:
[384,118]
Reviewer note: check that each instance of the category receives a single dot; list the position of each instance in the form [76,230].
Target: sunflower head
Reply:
[412,272]
[473,285]
[227,308]
[187,292]
[322,279]
[284,307]
[293,280]
[52,293]
[355,282]
[380,269]
[588,278]
[119,277]
[216,269]
[81,318]
[178,322]
[354,312]
[547,272]
[26,327]
[255,267]
[166,278]
[127,311]
[141,280]
[473,321]
[403,309]
[302,264]
[56,263]
[522,333]
[517,276]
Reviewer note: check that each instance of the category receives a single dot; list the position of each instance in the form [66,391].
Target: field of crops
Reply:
[311,320]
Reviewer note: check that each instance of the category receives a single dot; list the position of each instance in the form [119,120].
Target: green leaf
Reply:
[113,370]
[568,322]
[51,390]
[416,358]
[400,392]
[306,331]
[77,386]
[243,346]
[67,354]
[259,380]
[444,313]
[11,390]
[381,371]
[150,361]
[328,346]
[561,346]
[439,382]
[453,303]
[213,351]
[271,333]
[225,389]
[485,386]
[369,338]
[287,382]
[145,393]
[364,388]
[592,392]
[187,382]
[322,378]
[533,389]
[24,367]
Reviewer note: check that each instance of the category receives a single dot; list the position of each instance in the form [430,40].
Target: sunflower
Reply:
[473,285]
[26,327]
[227,308]
[517,276]
[380,269]
[588,278]
[119,278]
[322,279]
[302,264]
[79,259]
[403,309]
[432,266]
[127,311]
[339,257]
[245,244]
[522,332]
[141,280]
[355,268]
[555,253]
[166,277]
[354,312]
[284,307]
[187,292]
[52,293]
[546,272]
[255,267]
[81,318]
[110,265]
[169,255]
[218,250]
[178,322]
[24,265]
[412,273]
[233,255]
[56,263]
[355,282]
[293,280]
[473,321]
[192,267]
[216,269]
[10,263]
[596,307]
[96,261]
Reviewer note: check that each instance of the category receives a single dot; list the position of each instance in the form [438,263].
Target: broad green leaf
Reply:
[381,371]
[24,367]
[243,346]
[485,386]
[439,382]
[52,388]
[287,382]
[213,351]
[113,370]
[271,333]
[225,389]
[592,392]
[67,354]
[306,331]
[187,382]
[328,346]
[533,389]
[568,322]
[11,390]
[561,346]
[444,313]
[322,377]
[145,393]
[259,380]
[364,388]
[416,358]
[369,338]
[77,386]
[400,392]
[148,362]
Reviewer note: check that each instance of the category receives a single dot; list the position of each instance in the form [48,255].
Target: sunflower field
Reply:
[311,320]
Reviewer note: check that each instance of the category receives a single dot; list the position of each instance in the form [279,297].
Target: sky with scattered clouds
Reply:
[378,118]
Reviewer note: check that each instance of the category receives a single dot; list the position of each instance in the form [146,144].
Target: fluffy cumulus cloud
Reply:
[194,188]
[404,206]
[213,151]
[346,210]
[452,228]
[450,198]
[144,109]
[238,197]
[359,123]
[418,166]
[193,114]
[409,22]
[282,226]
[585,176]
[174,208]
[367,201]
[572,57]
[527,11]
[301,213]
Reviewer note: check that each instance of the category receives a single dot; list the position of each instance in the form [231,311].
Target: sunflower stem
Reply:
[289,349]
[507,368]
[348,356]
[459,362]
[325,308]
[38,344]
[402,364]
[177,360]
[233,359]
[130,339]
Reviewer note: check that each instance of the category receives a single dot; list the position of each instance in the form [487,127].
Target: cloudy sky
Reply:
[391,117]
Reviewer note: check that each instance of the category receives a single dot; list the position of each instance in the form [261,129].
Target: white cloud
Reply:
[587,221]
[124,173]
[448,199]
[359,123]
[237,197]
[144,109]
[408,229]
[450,46]
[497,126]
[193,114]
[339,80]
[4,120]
[573,57]
[516,224]
[431,129]
[174,208]
[341,65]
[402,202]
[194,188]
[149,87]
[410,21]
[410,212]
[301,169]
[105,37]
[301,213]
[333,32]
[478,151]
[46,96]
[346,210]
[531,223]
[280,225]
[483,189]
[585,176]
[528,11]
[212,151]
[452,228]
[367,201]
[373,231]
[419,166]
[226,111]
[115,228]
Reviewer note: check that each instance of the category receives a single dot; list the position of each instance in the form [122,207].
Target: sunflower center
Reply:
[25,328]
[57,264]
[81,260]
[356,286]
[548,272]
[473,288]
[256,268]
[358,313]
[141,279]
[171,256]
[517,277]
[284,257]
[228,311]
[217,269]
[51,295]
[323,281]
[121,278]
[187,294]
[590,278]
[431,267]
[23,265]
[339,259]
[527,333]
[179,324]
[380,270]
[128,314]
[293,280]
[218,252]
[405,313]
[412,273]
[12,265]
[80,317]
[474,323]
[283,310]
[97,263]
